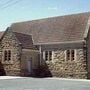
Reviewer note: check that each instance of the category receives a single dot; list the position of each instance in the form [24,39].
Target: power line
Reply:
[9,4]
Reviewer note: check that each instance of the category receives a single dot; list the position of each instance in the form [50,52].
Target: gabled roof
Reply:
[25,40]
[55,29]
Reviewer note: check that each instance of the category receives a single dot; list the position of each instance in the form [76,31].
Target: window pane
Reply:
[5,55]
[72,55]
[9,55]
[68,54]
[50,55]
[46,55]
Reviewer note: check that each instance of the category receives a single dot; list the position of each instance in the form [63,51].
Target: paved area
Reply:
[16,83]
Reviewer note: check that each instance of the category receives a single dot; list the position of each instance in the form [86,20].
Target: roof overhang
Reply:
[62,45]
[59,43]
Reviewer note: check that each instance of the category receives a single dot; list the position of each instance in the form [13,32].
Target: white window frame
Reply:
[75,55]
[44,52]
[3,56]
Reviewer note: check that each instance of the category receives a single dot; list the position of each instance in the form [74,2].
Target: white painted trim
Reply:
[9,62]
[52,56]
[65,52]
[43,55]
[75,54]
[66,42]
[40,54]
[87,29]
[75,57]
[31,50]
[48,54]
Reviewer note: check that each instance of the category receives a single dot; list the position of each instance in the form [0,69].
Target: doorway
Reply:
[29,66]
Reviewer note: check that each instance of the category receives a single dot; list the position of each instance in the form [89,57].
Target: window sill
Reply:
[62,62]
[74,61]
[48,61]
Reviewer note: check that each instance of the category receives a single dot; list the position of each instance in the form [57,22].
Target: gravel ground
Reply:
[20,83]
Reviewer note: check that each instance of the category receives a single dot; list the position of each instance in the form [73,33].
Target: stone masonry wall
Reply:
[9,42]
[68,69]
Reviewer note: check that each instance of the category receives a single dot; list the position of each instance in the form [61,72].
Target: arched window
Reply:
[7,55]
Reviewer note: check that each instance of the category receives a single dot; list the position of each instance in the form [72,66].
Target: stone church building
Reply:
[56,46]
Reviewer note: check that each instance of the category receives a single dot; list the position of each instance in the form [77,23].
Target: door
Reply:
[29,66]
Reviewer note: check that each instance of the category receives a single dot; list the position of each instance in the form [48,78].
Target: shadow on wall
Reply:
[88,75]
[2,71]
[43,71]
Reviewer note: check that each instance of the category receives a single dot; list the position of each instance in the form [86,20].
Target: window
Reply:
[48,55]
[7,55]
[70,55]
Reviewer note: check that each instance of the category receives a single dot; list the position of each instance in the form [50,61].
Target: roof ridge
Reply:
[52,17]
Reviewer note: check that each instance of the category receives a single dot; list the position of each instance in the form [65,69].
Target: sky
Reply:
[12,11]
